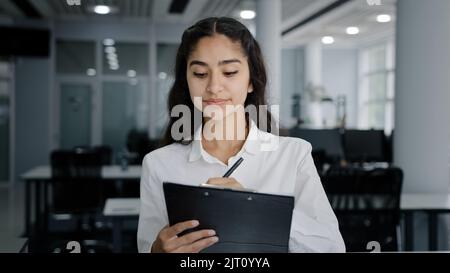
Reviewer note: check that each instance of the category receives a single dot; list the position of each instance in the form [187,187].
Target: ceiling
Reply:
[353,13]
[157,10]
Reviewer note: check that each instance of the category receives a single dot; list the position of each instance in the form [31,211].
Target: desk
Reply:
[42,175]
[433,205]
[14,245]
[120,209]
[125,208]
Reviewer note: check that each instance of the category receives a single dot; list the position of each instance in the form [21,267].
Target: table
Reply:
[431,203]
[14,245]
[119,210]
[40,176]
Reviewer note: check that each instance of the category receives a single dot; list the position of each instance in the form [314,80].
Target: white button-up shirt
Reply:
[272,164]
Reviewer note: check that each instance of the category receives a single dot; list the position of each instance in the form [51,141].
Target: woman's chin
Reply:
[217,116]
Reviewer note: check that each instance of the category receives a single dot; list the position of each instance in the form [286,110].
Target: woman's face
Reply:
[218,74]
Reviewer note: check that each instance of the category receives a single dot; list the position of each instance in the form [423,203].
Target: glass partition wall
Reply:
[102,92]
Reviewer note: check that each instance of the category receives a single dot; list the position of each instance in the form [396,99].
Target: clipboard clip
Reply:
[225,188]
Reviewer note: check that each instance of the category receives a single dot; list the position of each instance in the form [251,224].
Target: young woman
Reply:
[219,66]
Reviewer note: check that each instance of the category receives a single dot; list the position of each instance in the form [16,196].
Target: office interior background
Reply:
[365,81]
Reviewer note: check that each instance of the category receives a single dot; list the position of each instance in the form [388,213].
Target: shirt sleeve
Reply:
[314,225]
[152,214]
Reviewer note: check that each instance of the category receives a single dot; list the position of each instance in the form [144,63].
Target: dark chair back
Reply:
[75,181]
[140,144]
[320,159]
[77,190]
[105,152]
[367,205]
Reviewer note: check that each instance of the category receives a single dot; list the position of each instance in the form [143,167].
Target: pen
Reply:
[227,174]
[235,165]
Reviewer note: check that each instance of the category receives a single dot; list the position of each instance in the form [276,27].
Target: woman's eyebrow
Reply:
[229,61]
[195,62]
[224,62]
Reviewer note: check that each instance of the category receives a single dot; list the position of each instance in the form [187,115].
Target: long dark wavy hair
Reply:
[235,31]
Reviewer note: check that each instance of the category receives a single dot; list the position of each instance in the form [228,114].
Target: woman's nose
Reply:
[214,85]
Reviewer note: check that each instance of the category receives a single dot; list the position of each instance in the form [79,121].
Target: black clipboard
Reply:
[245,222]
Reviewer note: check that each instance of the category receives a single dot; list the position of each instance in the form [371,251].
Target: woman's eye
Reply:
[229,74]
[200,75]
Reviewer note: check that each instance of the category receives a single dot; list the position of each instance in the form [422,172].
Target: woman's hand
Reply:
[227,182]
[167,240]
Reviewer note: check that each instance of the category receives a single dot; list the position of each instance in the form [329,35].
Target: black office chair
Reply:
[78,191]
[105,152]
[140,144]
[320,159]
[367,205]
[75,180]
[389,147]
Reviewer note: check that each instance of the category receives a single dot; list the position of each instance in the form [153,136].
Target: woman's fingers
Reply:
[190,238]
[176,229]
[228,182]
[197,246]
[218,181]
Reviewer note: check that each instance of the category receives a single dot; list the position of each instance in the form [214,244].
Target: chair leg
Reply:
[398,238]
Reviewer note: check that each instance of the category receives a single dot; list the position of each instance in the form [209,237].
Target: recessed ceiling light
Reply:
[114,67]
[109,42]
[113,63]
[162,75]
[327,40]
[91,72]
[111,56]
[383,18]
[247,14]
[110,50]
[102,9]
[352,30]
[131,73]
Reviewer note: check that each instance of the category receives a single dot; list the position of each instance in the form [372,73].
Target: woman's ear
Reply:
[250,88]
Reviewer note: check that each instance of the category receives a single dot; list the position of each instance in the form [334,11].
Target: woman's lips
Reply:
[215,102]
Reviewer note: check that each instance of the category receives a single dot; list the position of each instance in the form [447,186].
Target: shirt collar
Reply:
[252,143]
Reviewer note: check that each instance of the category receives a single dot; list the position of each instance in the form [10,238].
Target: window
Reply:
[103,91]
[75,57]
[124,58]
[376,88]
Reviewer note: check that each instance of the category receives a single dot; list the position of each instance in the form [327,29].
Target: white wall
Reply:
[32,88]
[32,98]
[422,112]
[422,133]
[339,76]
